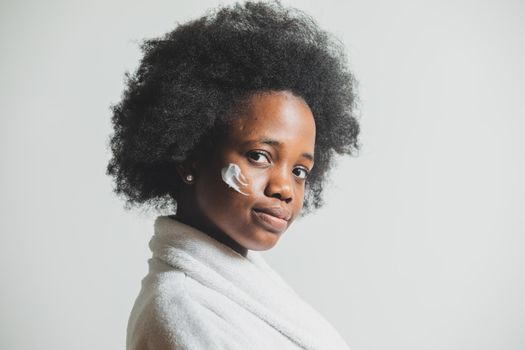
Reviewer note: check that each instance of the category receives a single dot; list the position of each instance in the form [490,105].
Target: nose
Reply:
[280,184]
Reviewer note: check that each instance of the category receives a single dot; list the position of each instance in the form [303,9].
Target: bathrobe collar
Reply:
[248,281]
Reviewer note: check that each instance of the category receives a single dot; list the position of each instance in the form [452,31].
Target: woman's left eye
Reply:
[301,173]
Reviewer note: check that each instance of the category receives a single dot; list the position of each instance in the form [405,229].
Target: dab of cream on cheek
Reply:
[233,177]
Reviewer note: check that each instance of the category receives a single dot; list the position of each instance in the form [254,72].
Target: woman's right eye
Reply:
[258,157]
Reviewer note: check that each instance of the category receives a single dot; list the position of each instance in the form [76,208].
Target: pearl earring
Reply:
[189,178]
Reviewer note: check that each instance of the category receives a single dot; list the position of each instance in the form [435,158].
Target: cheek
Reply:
[298,206]
[234,178]
[241,179]
[212,195]
[256,180]
[218,201]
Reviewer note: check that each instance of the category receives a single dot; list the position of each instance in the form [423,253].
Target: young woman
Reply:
[232,120]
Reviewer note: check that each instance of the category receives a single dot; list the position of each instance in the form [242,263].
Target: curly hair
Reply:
[190,80]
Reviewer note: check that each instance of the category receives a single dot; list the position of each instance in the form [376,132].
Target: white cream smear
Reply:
[233,177]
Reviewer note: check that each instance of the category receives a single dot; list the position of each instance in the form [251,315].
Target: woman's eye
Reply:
[258,157]
[301,173]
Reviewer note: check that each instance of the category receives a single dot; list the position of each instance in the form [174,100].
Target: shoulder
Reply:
[166,316]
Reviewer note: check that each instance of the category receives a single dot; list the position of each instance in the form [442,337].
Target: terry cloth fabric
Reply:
[201,294]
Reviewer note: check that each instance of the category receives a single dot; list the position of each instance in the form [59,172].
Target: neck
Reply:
[190,216]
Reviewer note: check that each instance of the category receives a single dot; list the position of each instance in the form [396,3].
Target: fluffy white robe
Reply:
[201,294]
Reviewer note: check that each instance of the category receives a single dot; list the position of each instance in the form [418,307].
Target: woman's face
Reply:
[272,141]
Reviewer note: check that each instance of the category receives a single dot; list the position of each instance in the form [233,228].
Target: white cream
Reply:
[233,177]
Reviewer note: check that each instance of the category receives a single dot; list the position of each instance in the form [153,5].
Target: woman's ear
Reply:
[187,171]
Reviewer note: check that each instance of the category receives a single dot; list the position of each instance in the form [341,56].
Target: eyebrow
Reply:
[276,143]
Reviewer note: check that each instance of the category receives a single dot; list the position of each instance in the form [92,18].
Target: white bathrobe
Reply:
[201,294]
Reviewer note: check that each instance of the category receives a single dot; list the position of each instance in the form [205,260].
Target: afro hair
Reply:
[190,80]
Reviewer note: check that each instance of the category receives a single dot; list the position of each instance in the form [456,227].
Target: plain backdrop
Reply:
[420,244]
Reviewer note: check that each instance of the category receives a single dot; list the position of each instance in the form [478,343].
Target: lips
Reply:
[278,212]
[274,219]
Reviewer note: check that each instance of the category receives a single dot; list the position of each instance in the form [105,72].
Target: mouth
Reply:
[272,219]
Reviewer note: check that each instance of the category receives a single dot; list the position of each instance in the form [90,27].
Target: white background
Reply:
[420,245]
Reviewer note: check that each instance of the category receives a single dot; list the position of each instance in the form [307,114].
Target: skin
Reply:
[275,172]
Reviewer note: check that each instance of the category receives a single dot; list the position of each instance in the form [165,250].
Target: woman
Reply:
[223,121]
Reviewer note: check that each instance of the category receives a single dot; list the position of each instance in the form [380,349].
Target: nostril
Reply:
[280,196]
[279,188]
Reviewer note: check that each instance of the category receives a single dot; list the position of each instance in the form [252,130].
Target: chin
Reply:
[263,241]
[260,248]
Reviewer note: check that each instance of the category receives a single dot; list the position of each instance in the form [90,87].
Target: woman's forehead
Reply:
[280,117]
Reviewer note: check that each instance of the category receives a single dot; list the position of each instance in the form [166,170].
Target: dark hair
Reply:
[190,80]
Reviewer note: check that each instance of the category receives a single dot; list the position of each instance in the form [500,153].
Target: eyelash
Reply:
[265,155]
[249,154]
[306,173]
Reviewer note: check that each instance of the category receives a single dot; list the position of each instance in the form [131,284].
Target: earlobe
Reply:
[186,171]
